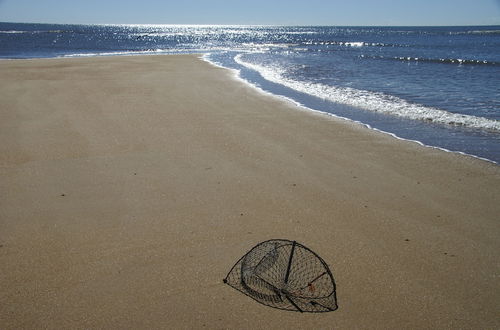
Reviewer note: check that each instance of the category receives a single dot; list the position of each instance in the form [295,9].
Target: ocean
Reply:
[439,86]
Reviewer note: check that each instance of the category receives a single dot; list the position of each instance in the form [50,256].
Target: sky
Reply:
[269,12]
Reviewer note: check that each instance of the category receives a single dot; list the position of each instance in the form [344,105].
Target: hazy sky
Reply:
[282,12]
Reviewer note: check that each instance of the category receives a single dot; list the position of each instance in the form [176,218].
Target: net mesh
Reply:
[286,275]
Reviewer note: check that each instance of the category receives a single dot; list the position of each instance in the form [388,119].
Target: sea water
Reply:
[436,85]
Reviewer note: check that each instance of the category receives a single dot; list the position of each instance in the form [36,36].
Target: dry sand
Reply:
[129,186]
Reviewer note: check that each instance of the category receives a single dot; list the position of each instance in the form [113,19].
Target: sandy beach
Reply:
[129,186]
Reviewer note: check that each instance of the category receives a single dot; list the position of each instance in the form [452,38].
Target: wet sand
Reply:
[129,186]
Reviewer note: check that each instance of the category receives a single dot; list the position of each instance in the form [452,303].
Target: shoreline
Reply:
[381,121]
[324,113]
[131,185]
[204,57]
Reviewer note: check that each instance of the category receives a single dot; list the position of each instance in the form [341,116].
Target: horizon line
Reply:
[240,24]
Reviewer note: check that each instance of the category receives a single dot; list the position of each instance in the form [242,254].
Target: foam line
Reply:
[372,101]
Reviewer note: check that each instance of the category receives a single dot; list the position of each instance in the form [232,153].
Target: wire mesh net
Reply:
[286,275]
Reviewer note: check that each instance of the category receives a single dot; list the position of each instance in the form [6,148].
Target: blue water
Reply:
[436,85]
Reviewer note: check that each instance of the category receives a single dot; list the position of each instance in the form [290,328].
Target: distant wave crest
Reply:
[477,32]
[435,60]
[352,43]
[30,32]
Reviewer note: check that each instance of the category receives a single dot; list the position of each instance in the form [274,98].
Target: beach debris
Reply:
[286,275]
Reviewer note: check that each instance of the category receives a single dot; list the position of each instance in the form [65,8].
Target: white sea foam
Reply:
[354,44]
[148,52]
[372,101]
[351,43]
[13,32]
[30,32]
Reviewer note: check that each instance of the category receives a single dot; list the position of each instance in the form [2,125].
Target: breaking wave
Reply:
[373,101]
[435,60]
